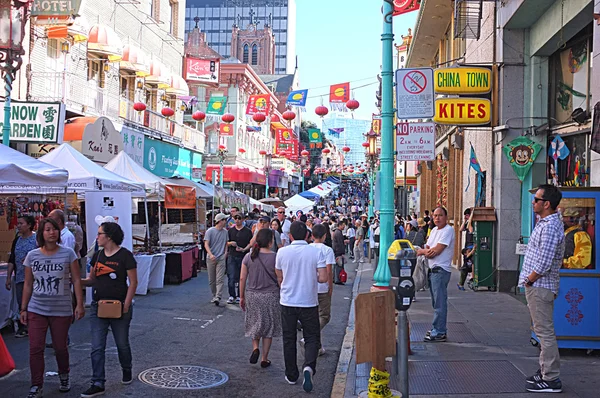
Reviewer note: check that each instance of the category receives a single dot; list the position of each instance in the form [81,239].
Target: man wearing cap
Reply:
[215,244]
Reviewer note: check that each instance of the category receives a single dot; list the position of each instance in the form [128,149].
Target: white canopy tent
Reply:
[297,202]
[323,189]
[20,173]
[261,206]
[85,175]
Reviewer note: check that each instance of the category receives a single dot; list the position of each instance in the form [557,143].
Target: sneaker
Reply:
[321,351]
[460,287]
[307,385]
[436,338]
[35,392]
[21,333]
[289,381]
[428,333]
[536,378]
[214,300]
[127,377]
[302,342]
[93,391]
[65,384]
[230,300]
[237,300]
[545,386]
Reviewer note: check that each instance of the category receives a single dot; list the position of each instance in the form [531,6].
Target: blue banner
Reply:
[297,98]
[168,160]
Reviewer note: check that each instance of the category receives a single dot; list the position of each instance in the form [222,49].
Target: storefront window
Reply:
[568,163]
[579,218]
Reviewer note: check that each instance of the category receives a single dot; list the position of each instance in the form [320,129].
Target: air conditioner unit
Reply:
[457,141]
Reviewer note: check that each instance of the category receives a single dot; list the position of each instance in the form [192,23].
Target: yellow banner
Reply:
[463,111]
[462,81]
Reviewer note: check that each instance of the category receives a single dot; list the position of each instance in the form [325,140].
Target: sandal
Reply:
[254,356]
[265,364]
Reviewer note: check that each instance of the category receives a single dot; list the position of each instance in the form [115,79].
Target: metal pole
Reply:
[221,170]
[382,274]
[403,352]
[371,210]
[6,127]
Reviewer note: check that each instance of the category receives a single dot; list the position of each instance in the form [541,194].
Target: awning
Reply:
[236,174]
[76,32]
[178,86]
[134,60]
[74,127]
[159,75]
[103,40]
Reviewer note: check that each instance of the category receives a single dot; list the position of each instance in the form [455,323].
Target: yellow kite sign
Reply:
[470,81]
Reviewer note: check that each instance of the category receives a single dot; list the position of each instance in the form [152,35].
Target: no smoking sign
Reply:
[414,82]
[414,93]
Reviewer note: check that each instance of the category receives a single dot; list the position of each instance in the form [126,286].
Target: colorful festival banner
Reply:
[376,124]
[474,163]
[339,94]
[521,152]
[404,6]
[297,98]
[225,130]
[180,197]
[336,131]
[216,105]
[258,104]
[284,139]
[314,138]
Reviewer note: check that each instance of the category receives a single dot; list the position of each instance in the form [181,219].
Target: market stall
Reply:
[298,203]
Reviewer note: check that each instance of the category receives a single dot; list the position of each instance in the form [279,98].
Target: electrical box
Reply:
[483,259]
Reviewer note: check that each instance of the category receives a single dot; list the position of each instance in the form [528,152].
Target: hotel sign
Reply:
[55,8]
[469,81]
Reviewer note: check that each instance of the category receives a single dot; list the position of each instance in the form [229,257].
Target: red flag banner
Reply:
[258,104]
[284,140]
[225,130]
[339,93]
[404,6]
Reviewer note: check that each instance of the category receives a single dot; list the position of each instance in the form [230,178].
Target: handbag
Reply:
[7,364]
[343,276]
[112,309]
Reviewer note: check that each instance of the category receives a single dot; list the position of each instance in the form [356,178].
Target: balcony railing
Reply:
[82,95]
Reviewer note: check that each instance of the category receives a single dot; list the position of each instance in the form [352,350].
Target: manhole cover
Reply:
[183,377]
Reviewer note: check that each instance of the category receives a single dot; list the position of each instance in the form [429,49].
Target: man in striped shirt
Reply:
[540,276]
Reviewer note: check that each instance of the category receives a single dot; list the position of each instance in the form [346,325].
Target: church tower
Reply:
[255,46]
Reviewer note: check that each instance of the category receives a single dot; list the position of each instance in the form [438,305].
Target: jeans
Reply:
[351,247]
[309,318]
[216,275]
[541,307]
[120,331]
[59,328]
[438,287]
[234,267]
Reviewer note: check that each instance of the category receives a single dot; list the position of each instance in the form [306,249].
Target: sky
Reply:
[340,41]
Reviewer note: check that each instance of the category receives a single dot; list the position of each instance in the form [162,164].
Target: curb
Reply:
[341,373]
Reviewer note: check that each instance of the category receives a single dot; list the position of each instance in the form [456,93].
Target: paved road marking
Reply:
[205,322]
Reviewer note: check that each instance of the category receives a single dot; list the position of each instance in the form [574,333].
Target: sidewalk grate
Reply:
[464,377]
[457,332]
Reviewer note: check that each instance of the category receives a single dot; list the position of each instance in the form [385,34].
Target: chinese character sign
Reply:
[36,122]
[315,139]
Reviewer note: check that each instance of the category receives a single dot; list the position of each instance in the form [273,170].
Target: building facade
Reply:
[218,18]
[341,129]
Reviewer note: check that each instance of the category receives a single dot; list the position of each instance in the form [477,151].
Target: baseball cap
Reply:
[220,217]
[264,219]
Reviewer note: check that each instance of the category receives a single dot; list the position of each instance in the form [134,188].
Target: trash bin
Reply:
[404,246]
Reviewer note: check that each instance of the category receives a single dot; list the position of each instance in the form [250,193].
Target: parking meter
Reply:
[405,291]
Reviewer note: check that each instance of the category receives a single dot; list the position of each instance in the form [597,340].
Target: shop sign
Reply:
[36,151]
[463,111]
[133,144]
[168,160]
[36,122]
[197,173]
[55,8]
[463,80]
[202,70]
[101,142]
[180,197]
[415,141]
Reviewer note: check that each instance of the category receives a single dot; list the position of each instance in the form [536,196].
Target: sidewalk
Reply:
[488,350]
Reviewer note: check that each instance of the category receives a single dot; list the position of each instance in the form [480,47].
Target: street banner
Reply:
[36,122]
[315,139]
[474,164]
[284,142]
[225,130]
[336,131]
[415,141]
[180,197]
[376,124]
[201,70]
[404,6]
[339,94]
[216,105]
[521,153]
[258,104]
[297,98]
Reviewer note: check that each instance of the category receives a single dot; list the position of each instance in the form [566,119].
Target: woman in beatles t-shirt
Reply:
[110,269]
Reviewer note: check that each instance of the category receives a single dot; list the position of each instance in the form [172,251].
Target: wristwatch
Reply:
[528,282]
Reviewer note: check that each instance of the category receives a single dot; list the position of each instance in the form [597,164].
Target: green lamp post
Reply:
[382,274]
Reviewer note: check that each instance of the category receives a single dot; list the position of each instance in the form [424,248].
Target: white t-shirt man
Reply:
[67,239]
[299,263]
[285,228]
[327,253]
[445,236]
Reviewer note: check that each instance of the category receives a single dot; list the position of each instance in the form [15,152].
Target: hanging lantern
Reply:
[167,112]
[321,110]
[275,119]
[228,118]
[361,170]
[326,151]
[139,106]
[262,152]
[242,150]
[352,104]
[259,117]
[289,115]
[365,144]
[305,153]
[222,148]
[199,116]
[282,169]
[346,149]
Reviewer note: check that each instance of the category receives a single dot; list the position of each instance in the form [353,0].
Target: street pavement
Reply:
[178,325]
[488,353]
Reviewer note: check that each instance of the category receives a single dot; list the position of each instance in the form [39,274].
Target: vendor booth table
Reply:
[180,265]
[150,272]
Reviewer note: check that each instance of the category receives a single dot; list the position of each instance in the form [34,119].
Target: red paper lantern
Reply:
[275,119]
[282,169]
[262,152]
[167,112]
[199,116]
[139,106]
[305,153]
[365,144]
[321,110]
[222,148]
[259,117]
[289,115]
[241,150]
[361,170]
[352,104]
[228,118]
[346,149]
[326,151]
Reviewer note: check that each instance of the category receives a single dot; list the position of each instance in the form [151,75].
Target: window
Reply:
[155,10]
[52,49]
[94,70]
[124,88]
[174,28]
[245,55]
[578,216]
[254,54]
